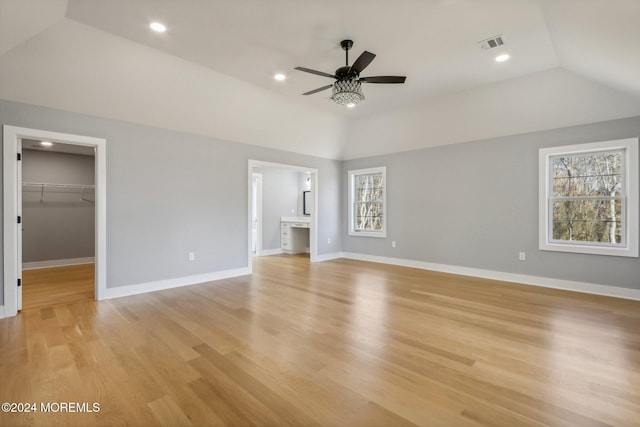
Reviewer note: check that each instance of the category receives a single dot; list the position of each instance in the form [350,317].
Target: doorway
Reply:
[297,207]
[58,223]
[13,207]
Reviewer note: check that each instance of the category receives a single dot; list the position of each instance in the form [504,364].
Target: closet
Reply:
[58,219]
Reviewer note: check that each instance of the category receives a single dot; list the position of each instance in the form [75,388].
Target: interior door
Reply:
[20,226]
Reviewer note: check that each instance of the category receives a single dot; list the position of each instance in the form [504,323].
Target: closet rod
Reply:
[52,185]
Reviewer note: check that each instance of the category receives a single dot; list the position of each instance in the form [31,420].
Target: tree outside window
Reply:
[589,200]
[367,202]
[587,197]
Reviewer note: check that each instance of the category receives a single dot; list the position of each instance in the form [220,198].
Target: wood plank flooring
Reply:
[338,343]
[45,287]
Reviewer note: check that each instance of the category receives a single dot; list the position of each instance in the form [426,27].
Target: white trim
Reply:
[258,243]
[261,164]
[313,225]
[269,252]
[351,180]
[159,285]
[35,265]
[12,185]
[330,256]
[10,210]
[545,282]
[20,229]
[631,246]
[2,316]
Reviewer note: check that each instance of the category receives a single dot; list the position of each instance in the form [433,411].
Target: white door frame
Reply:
[313,226]
[12,183]
[19,228]
[258,178]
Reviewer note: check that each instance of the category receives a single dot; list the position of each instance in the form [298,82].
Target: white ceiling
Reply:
[211,72]
[433,43]
[21,20]
[599,39]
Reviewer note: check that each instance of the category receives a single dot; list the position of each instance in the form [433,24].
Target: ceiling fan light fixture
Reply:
[347,92]
[347,89]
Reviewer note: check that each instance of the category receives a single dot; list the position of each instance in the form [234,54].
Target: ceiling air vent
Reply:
[491,42]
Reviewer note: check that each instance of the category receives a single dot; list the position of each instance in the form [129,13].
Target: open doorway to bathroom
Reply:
[282,210]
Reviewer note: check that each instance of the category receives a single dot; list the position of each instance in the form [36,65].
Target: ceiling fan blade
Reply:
[383,79]
[362,62]
[319,73]
[320,89]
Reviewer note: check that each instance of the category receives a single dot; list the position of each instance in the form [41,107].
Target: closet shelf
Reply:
[47,185]
[52,185]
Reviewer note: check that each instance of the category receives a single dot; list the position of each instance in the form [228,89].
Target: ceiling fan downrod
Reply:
[346,46]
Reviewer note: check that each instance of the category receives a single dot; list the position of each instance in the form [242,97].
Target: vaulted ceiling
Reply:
[211,73]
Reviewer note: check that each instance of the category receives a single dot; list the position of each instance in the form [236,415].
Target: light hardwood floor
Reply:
[338,343]
[45,287]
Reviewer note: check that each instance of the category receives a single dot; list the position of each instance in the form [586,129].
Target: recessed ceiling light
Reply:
[503,57]
[46,144]
[280,77]
[158,27]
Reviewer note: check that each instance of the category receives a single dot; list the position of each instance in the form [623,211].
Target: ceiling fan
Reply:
[347,89]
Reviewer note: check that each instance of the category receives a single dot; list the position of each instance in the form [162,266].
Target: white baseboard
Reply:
[269,252]
[328,257]
[317,258]
[141,288]
[1,311]
[546,282]
[57,263]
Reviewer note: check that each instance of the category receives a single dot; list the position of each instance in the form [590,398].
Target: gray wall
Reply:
[476,205]
[59,225]
[169,193]
[279,198]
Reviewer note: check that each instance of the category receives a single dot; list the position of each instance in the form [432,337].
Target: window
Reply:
[367,202]
[588,198]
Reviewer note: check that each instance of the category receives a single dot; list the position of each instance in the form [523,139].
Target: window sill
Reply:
[590,249]
[380,234]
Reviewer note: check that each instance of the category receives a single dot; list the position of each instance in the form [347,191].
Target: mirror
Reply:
[306,202]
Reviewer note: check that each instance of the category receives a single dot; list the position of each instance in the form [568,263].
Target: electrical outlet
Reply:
[393,244]
[192,256]
[522,256]
[328,240]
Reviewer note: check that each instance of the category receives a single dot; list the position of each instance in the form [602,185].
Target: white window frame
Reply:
[352,182]
[630,205]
